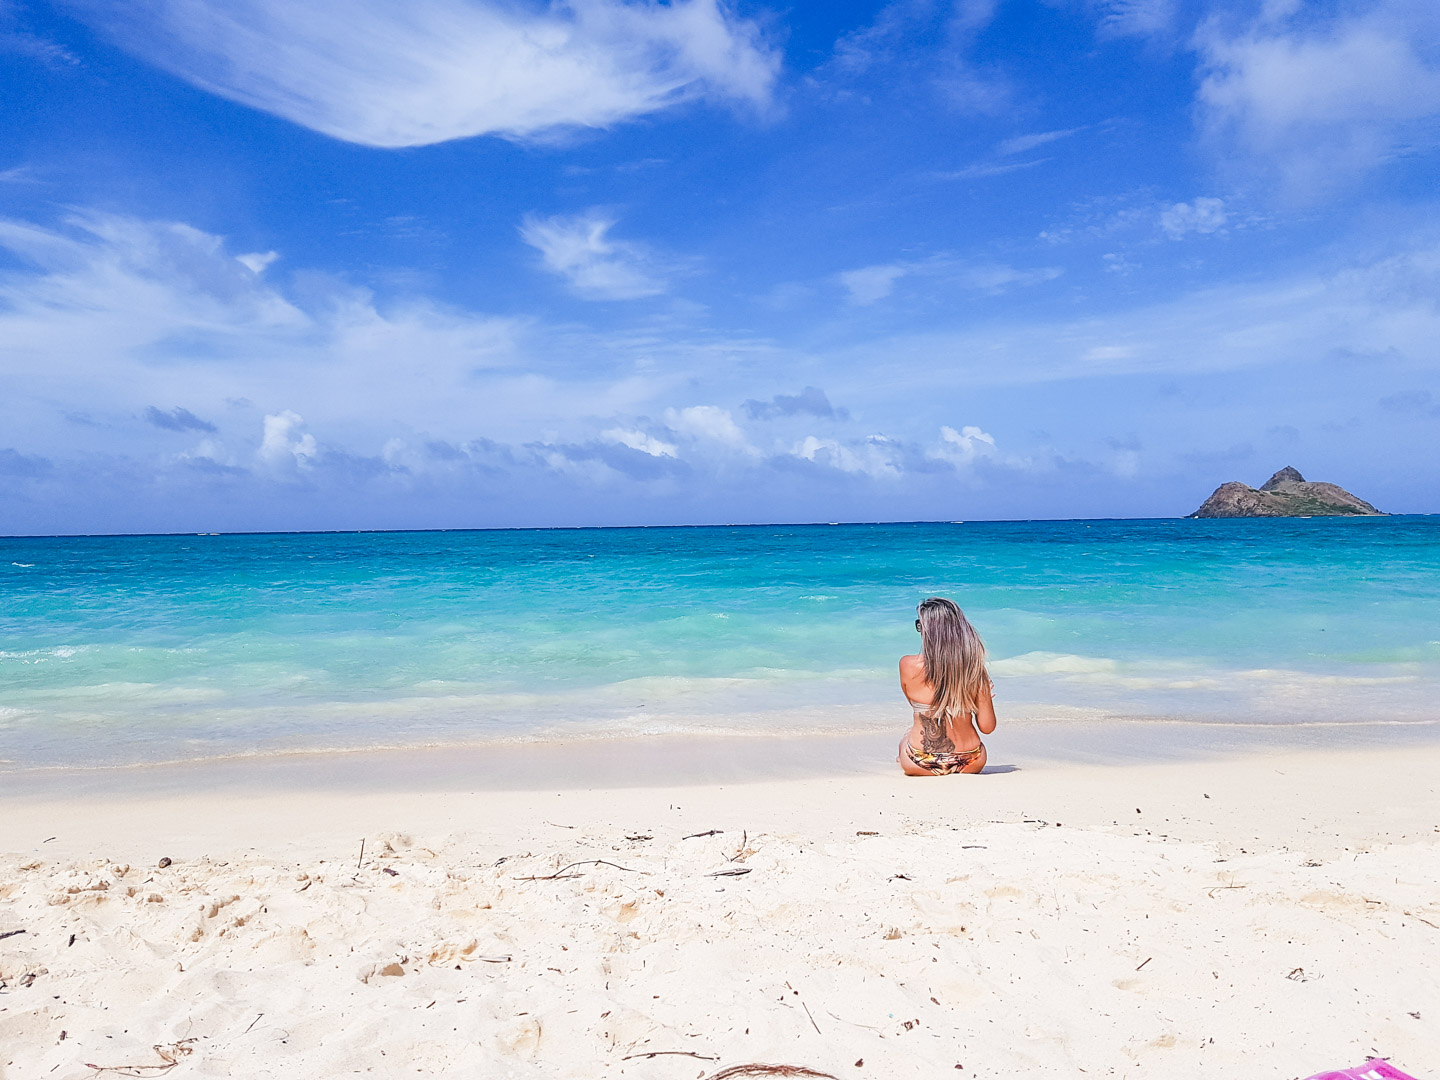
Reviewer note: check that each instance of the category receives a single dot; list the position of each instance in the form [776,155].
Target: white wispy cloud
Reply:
[1021,144]
[257,262]
[17,40]
[997,277]
[1319,102]
[1204,215]
[1134,18]
[871,283]
[391,74]
[1380,307]
[580,250]
[890,40]
[984,169]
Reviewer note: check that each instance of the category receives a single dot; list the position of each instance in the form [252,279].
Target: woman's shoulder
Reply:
[912,665]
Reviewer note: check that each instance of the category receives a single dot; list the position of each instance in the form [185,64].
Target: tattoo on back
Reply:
[934,739]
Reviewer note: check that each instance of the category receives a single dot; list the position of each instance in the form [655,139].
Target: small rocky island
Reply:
[1286,494]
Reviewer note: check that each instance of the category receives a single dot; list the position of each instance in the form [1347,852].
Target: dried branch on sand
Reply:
[169,1056]
[768,1070]
[587,862]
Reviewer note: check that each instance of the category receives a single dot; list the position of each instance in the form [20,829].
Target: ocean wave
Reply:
[1052,663]
[32,656]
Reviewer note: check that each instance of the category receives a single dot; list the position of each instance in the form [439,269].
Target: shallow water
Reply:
[119,650]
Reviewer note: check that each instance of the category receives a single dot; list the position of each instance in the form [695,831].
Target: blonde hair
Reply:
[954,659]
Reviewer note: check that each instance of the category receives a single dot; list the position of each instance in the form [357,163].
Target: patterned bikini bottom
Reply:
[942,764]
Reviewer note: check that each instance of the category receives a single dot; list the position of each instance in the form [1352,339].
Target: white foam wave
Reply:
[1053,663]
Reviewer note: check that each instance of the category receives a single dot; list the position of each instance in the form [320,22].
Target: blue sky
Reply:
[268,264]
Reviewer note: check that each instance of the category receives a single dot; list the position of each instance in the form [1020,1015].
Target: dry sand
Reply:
[1270,916]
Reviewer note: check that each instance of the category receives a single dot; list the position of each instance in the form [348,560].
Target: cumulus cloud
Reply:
[111,314]
[390,74]
[1317,102]
[641,441]
[103,316]
[964,446]
[580,250]
[285,444]
[811,401]
[875,456]
[709,423]
[177,419]
[871,283]
[1204,215]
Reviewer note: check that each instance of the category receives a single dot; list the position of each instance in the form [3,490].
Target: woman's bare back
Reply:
[960,734]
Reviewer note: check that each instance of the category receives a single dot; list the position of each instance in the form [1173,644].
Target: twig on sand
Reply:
[737,871]
[812,1018]
[1144,962]
[744,839]
[361,861]
[768,1070]
[712,832]
[1222,888]
[1426,921]
[854,1023]
[557,825]
[169,1055]
[585,862]
[252,1024]
[669,1053]
[10,933]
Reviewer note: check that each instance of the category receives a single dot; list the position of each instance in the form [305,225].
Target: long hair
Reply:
[954,658]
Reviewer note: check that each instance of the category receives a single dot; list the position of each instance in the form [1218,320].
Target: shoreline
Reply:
[628,761]
[1131,920]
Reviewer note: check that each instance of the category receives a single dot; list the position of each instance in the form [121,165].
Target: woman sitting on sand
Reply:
[949,689]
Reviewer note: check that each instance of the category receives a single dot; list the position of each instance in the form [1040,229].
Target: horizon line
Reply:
[683,525]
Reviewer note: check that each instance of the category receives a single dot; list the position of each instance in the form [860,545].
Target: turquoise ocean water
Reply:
[123,650]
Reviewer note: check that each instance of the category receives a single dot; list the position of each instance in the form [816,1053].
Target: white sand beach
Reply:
[1271,915]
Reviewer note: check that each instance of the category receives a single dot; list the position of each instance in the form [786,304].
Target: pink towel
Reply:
[1374,1069]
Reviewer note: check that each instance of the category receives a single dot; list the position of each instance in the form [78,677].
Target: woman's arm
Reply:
[911,675]
[985,713]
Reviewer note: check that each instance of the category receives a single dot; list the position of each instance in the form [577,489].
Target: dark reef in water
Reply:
[1286,494]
